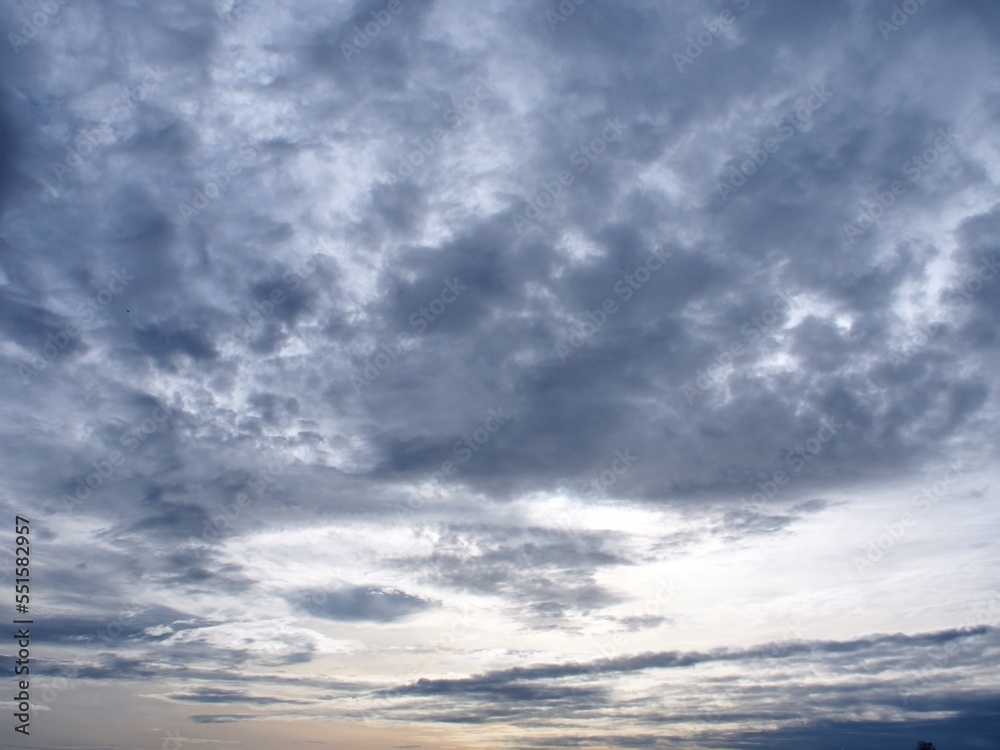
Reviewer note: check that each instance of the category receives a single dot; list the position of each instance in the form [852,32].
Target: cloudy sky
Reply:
[502,374]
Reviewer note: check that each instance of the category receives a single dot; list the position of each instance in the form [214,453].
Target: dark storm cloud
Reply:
[662,350]
[364,603]
[650,346]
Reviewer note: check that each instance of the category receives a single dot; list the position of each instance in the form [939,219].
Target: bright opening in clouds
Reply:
[499,374]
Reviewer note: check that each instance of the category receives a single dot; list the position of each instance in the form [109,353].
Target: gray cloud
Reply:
[205,216]
[375,603]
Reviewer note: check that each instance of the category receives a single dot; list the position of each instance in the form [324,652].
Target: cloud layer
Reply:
[560,374]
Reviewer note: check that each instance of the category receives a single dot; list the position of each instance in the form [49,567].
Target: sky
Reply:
[435,374]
